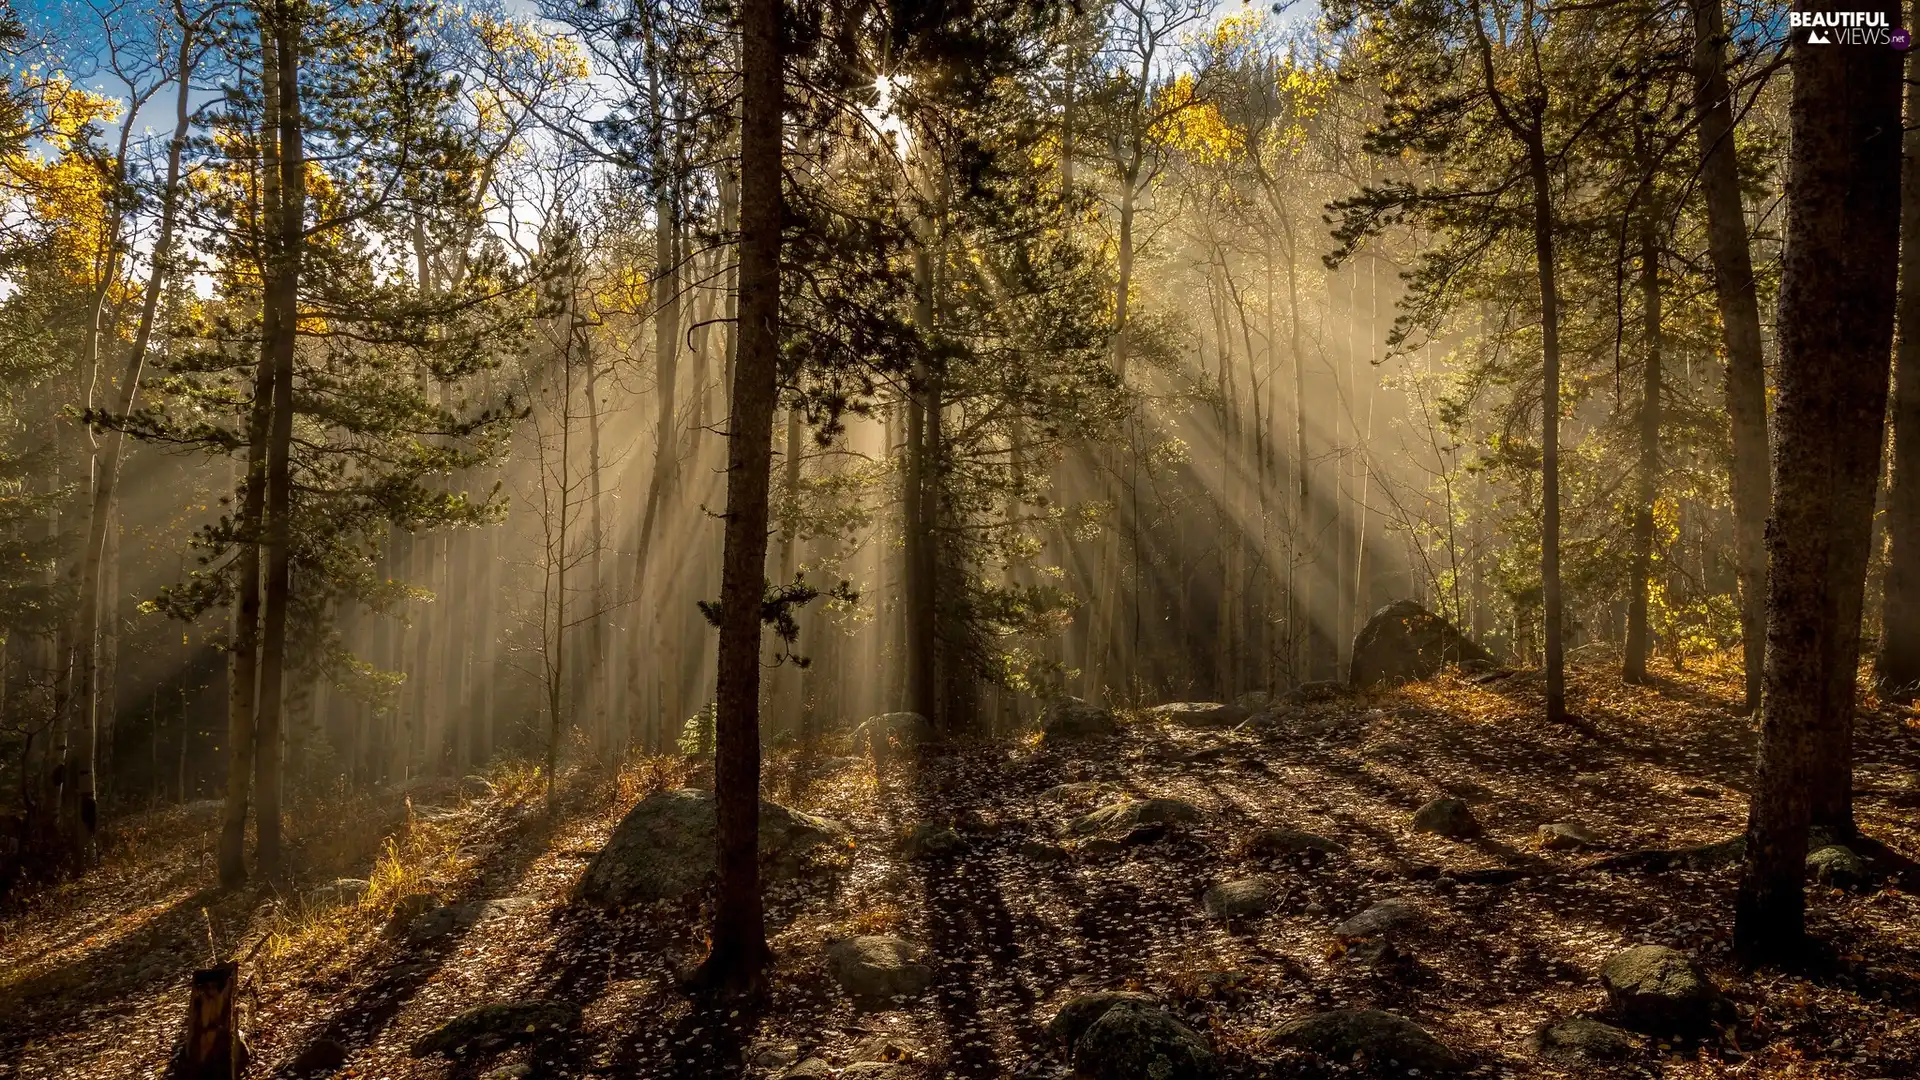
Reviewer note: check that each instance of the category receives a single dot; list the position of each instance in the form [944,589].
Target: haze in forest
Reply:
[530,465]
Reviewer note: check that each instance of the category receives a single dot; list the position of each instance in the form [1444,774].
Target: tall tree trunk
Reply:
[739,952]
[1835,323]
[1897,665]
[1740,326]
[920,600]
[642,664]
[1543,236]
[1638,641]
[278,587]
[243,645]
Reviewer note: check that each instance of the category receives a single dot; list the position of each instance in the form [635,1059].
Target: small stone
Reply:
[1308,692]
[1385,917]
[878,967]
[1199,714]
[1078,1014]
[1041,851]
[874,1070]
[810,1069]
[1341,1035]
[1576,1039]
[1661,991]
[887,1048]
[1446,817]
[774,1055]
[1837,866]
[1131,1040]
[1122,816]
[928,840]
[1592,779]
[1241,897]
[1565,836]
[408,908]
[1701,791]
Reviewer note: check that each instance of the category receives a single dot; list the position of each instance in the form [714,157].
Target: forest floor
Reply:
[93,974]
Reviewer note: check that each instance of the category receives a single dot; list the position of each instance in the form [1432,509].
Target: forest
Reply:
[894,539]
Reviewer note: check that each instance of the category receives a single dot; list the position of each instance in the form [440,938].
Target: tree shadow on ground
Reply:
[372,1008]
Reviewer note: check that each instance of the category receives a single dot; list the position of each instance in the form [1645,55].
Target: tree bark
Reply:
[920,601]
[739,953]
[1638,637]
[243,646]
[1835,322]
[214,1049]
[1543,236]
[284,295]
[1897,665]
[666,350]
[1751,488]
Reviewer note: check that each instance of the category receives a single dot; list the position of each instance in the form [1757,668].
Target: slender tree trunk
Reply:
[107,469]
[1835,328]
[666,350]
[739,952]
[920,601]
[1543,234]
[788,700]
[1897,665]
[1740,326]
[243,655]
[278,587]
[1638,642]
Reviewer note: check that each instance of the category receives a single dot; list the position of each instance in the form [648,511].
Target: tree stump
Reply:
[214,1050]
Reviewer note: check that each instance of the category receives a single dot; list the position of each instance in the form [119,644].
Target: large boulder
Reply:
[492,1027]
[1403,642]
[1077,1015]
[1122,816]
[1131,1040]
[1070,719]
[1380,1040]
[875,967]
[1661,991]
[906,729]
[664,848]
[1199,714]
